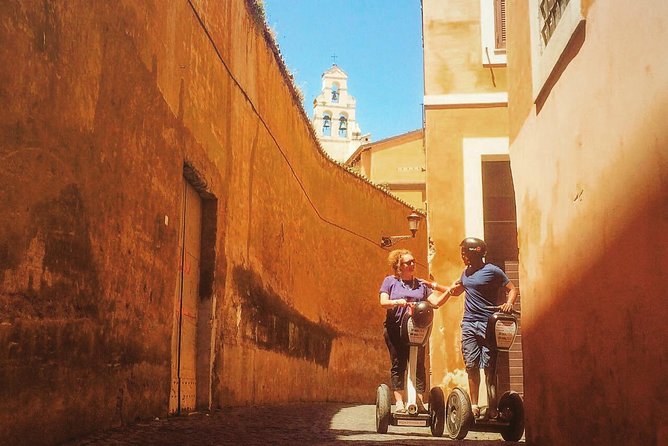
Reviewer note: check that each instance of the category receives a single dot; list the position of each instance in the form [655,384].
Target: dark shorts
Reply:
[475,352]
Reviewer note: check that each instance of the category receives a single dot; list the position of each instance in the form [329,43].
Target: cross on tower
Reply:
[334,59]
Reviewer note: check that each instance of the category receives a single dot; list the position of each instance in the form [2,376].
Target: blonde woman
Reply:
[397,291]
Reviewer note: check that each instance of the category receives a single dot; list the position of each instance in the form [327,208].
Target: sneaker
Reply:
[399,408]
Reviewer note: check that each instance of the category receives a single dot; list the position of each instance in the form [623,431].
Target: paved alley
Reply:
[300,424]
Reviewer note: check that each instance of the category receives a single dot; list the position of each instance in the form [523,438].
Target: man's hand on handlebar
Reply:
[506,307]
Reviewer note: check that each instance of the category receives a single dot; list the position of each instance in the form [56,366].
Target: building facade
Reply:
[469,185]
[588,97]
[397,164]
[334,119]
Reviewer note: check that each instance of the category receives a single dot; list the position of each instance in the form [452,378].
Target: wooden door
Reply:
[184,336]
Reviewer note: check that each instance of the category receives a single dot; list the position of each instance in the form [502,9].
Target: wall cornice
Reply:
[466,100]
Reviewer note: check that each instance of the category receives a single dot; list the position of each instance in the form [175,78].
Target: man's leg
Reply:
[489,362]
[420,379]
[474,384]
[471,352]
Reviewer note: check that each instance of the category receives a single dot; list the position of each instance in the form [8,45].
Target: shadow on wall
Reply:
[269,323]
[56,278]
[598,352]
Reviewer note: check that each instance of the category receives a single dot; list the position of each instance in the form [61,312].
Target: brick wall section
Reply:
[511,371]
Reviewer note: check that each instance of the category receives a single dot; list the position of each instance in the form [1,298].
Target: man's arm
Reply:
[511,290]
[456,288]
[440,296]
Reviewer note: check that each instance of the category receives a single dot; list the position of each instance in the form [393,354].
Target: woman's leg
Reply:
[398,360]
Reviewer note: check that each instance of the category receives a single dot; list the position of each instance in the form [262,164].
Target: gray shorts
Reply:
[474,349]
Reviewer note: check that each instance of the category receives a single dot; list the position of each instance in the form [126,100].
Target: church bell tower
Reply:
[334,118]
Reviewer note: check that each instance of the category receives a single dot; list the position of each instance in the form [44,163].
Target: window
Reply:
[500,24]
[493,32]
[550,14]
[343,126]
[553,24]
[327,125]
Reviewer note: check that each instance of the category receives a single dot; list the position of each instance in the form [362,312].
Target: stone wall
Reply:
[107,107]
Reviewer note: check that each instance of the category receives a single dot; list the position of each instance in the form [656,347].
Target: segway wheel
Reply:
[511,409]
[437,411]
[383,408]
[458,414]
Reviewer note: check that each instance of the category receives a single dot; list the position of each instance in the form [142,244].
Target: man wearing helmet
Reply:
[481,281]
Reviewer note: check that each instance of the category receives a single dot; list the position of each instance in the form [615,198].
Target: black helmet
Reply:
[423,314]
[474,245]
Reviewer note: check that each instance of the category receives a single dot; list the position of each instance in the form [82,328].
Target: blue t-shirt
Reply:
[482,287]
[412,291]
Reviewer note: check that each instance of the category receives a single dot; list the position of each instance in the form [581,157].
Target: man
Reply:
[482,282]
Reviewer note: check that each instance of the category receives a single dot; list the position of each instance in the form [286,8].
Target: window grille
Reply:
[550,14]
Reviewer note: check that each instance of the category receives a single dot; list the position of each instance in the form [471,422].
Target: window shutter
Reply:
[500,24]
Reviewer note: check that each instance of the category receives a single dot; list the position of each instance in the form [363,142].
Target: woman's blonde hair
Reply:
[394,259]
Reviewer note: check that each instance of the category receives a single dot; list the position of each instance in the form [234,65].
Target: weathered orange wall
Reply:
[452,50]
[590,169]
[102,106]
[453,66]
[445,131]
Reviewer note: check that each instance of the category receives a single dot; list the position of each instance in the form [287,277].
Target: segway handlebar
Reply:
[498,307]
[412,304]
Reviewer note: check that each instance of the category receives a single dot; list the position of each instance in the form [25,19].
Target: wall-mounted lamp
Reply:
[413,224]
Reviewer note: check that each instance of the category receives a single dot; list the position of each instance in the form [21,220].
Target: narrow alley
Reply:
[184,230]
[303,424]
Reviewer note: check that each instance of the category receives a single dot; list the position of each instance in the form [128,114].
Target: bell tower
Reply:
[334,118]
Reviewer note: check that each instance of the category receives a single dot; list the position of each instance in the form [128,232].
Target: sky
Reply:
[378,43]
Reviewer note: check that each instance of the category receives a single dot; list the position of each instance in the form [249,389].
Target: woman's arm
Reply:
[386,302]
[440,295]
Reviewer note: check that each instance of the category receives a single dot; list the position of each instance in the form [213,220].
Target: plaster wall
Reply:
[104,108]
[459,117]
[589,164]
[399,163]
[448,137]
[453,62]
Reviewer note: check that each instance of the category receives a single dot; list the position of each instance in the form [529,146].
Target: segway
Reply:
[500,334]
[415,330]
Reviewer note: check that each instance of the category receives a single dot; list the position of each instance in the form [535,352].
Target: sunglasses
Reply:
[410,262]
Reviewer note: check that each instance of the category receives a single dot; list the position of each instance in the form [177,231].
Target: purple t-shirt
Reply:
[412,291]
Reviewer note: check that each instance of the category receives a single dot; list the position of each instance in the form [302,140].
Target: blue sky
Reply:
[378,43]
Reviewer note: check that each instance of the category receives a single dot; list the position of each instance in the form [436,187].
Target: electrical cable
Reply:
[271,135]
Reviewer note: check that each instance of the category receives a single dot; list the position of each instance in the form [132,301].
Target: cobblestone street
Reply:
[303,424]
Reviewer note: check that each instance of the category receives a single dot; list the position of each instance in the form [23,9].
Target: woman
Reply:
[396,292]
